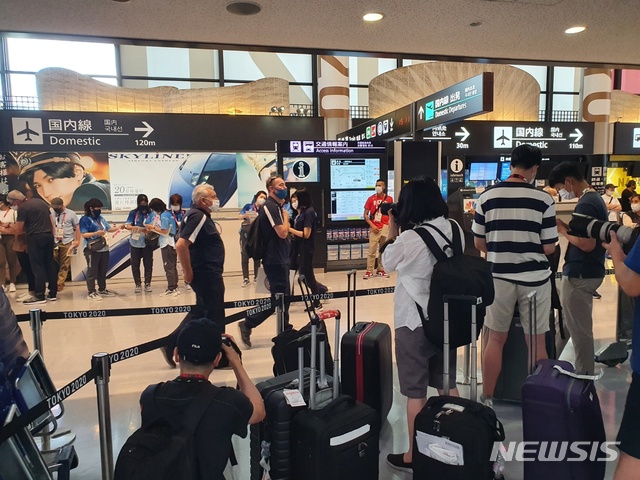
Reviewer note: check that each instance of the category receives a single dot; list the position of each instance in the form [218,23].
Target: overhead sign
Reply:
[392,125]
[302,148]
[626,138]
[103,132]
[462,100]
[499,138]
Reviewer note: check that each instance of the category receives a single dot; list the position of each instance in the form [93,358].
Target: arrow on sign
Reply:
[391,125]
[577,135]
[420,112]
[464,134]
[147,128]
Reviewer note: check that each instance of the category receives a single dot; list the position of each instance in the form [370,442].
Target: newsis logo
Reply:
[555,451]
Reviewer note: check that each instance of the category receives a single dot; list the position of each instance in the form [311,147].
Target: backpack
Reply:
[459,274]
[164,449]
[255,246]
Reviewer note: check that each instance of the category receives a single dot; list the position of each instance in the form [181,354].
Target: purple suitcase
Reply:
[558,407]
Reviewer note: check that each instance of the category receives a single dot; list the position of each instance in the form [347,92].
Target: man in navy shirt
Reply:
[583,269]
[628,277]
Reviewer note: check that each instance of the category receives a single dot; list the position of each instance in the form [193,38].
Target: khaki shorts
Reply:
[500,312]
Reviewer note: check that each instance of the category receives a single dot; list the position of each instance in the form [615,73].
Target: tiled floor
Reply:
[70,343]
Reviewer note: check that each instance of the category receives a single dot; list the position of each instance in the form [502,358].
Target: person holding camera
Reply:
[583,269]
[420,363]
[200,347]
[627,269]
[378,222]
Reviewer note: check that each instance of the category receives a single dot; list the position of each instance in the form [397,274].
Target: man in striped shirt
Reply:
[515,225]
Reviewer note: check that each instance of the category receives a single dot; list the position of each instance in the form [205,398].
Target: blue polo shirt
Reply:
[633,262]
[165,221]
[137,219]
[91,224]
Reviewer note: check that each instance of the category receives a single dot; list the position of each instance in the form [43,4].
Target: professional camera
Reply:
[229,343]
[387,207]
[589,227]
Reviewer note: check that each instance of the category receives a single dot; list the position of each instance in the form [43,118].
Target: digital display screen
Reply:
[298,169]
[505,170]
[354,173]
[483,171]
[348,204]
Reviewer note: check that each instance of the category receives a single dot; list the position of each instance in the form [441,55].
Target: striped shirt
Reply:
[516,220]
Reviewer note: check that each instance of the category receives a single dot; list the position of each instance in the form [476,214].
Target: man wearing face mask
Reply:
[66,236]
[612,203]
[139,249]
[379,227]
[627,193]
[583,269]
[274,231]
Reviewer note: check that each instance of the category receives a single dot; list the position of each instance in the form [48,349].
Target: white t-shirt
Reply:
[413,261]
[611,200]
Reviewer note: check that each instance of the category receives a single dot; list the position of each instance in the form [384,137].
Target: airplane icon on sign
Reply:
[28,132]
[503,138]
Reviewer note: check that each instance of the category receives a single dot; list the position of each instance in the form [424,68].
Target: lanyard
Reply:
[518,176]
[60,223]
[99,224]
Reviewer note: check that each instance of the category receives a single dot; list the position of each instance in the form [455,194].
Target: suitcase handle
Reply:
[351,293]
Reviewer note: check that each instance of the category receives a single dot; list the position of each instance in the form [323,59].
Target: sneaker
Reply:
[106,293]
[596,295]
[245,334]
[147,288]
[138,289]
[51,298]
[486,401]
[187,287]
[12,287]
[33,300]
[60,287]
[167,354]
[246,282]
[94,296]
[383,274]
[24,296]
[367,275]
[396,460]
[170,293]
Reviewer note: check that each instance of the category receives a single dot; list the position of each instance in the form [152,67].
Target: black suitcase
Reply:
[366,369]
[338,441]
[455,437]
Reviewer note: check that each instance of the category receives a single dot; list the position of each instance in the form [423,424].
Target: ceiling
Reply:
[511,30]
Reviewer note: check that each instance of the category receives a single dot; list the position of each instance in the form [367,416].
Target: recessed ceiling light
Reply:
[573,30]
[476,23]
[244,8]
[373,17]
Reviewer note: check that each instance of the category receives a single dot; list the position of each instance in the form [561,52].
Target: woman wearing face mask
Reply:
[613,204]
[8,257]
[139,249]
[93,226]
[304,232]
[632,218]
[248,214]
[177,212]
[161,223]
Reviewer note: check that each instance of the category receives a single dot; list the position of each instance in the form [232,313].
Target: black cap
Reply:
[35,161]
[199,341]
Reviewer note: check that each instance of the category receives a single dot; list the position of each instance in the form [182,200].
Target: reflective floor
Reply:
[70,343]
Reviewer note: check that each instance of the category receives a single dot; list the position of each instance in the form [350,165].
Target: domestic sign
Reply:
[302,148]
[462,100]
[391,125]
[626,138]
[104,132]
[499,138]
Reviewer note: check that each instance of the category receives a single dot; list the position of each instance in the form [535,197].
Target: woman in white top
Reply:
[613,204]
[420,363]
[8,257]
[632,218]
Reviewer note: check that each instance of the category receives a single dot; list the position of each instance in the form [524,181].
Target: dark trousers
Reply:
[305,267]
[25,264]
[40,248]
[245,258]
[278,276]
[209,290]
[97,266]
[146,255]
[170,262]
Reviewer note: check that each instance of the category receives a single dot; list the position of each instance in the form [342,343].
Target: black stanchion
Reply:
[36,318]
[102,368]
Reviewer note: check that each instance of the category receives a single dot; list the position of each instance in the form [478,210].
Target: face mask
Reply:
[58,210]
[97,212]
[566,195]
[261,201]
[610,192]
[282,194]
[143,208]
[635,207]
[175,208]
[215,206]
[378,190]
[294,205]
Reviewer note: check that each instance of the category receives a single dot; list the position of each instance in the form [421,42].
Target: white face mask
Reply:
[379,190]
[175,208]
[635,207]
[565,194]
[261,201]
[610,192]
[215,206]
[294,205]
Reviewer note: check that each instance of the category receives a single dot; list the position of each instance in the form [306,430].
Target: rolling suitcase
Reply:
[454,437]
[366,371]
[338,441]
[560,406]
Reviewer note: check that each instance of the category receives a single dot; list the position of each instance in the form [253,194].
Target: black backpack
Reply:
[164,449]
[254,248]
[459,274]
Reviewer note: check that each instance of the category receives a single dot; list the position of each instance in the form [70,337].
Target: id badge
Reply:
[135,236]
[377,217]
[59,232]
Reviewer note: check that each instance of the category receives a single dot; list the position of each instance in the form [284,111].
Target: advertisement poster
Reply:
[619,176]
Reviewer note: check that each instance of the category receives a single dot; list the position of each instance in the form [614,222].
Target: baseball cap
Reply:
[609,186]
[40,159]
[199,341]
[57,202]
[14,195]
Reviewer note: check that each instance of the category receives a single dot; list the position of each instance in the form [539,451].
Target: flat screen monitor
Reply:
[354,173]
[505,170]
[299,169]
[483,171]
[348,204]
[545,168]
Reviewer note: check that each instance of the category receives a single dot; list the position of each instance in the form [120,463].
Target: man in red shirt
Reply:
[379,225]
